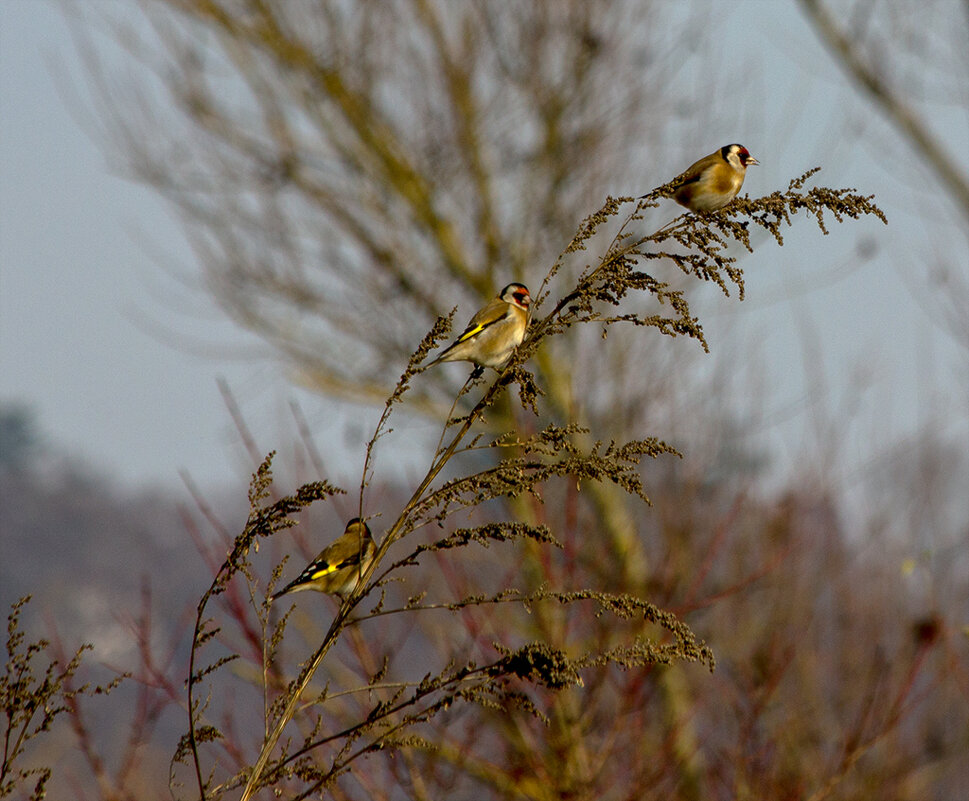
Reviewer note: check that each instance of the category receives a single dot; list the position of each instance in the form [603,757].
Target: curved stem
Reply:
[354,598]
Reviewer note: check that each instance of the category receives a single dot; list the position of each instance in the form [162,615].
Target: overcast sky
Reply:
[119,358]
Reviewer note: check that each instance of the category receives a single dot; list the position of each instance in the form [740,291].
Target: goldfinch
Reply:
[494,332]
[339,566]
[713,181]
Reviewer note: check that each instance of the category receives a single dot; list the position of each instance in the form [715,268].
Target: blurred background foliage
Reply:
[347,171]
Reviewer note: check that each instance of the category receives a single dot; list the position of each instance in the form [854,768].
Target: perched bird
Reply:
[494,332]
[339,566]
[713,181]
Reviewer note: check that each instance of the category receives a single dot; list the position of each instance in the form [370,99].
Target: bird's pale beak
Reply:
[751,160]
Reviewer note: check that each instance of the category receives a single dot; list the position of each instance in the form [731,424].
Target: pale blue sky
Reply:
[86,311]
